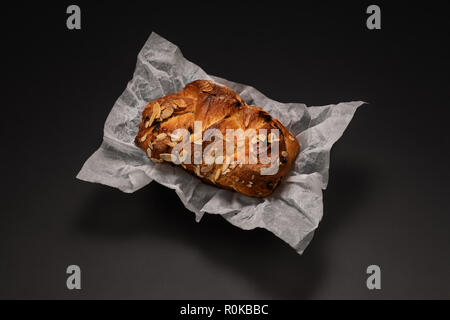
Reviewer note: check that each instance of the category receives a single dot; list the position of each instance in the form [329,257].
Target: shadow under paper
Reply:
[258,256]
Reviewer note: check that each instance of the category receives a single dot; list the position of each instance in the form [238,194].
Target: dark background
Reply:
[387,202]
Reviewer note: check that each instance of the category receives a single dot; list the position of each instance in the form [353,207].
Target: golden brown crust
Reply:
[217,107]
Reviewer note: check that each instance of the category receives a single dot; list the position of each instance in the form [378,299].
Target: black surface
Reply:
[387,202]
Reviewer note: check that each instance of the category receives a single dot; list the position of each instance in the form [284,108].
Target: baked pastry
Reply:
[175,127]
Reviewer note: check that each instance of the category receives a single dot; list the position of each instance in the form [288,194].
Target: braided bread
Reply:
[177,129]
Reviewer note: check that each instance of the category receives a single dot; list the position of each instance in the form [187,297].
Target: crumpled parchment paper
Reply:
[292,213]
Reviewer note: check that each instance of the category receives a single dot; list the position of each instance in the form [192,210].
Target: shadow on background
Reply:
[258,256]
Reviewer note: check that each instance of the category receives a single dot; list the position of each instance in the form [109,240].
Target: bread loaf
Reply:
[177,129]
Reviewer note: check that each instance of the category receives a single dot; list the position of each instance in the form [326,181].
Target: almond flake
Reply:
[180,103]
[166,157]
[155,114]
[156,110]
[143,138]
[206,87]
[161,136]
[217,175]
[167,113]
[225,166]
[206,169]
[247,121]
[197,171]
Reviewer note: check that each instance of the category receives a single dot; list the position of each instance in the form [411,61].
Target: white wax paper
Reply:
[292,213]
